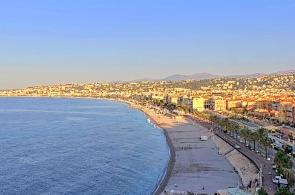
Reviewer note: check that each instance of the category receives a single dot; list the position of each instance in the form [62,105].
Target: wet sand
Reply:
[195,165]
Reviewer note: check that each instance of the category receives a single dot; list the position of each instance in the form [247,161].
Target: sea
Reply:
[78,146]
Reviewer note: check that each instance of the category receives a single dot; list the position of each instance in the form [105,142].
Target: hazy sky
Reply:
[65,41]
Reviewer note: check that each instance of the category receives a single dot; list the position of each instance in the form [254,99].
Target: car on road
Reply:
[276,179]
[237,146]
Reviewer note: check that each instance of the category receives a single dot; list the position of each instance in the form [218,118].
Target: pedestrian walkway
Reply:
[229,151]
[258,160]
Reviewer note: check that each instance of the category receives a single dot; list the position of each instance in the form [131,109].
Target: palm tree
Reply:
[225,124]
[244,135]
[288,173]
[261,134]
[254,138]
[215,120]
[212,119]
[206,117]
[219,123]
[235,129]
[279,158]
[265,141]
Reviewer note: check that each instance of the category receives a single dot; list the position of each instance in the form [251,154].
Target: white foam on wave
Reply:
[76,119]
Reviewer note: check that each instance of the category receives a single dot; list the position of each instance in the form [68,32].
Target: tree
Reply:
[218,120]
[225,124]
[244,135]
[254,138]
[288,174]
[247,134]
[283,161]
[235,129]
[283,191]
[215,120]
[265,141]
[211,120]
[262,191]
[261,133]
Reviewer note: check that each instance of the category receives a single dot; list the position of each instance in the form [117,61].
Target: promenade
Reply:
[198,166]
[201,166]
[195,165]
[258,160]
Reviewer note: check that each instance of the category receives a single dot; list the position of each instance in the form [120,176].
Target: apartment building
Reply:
[282,116]
[233,104]
[289,113]
[264,105]
[198,103]
[275,105]
[157,97]
[188,102]
[219,104]
[173,99]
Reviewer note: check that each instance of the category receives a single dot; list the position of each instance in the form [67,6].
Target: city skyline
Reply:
[53,42]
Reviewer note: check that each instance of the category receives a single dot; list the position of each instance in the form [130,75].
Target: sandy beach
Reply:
[195,165]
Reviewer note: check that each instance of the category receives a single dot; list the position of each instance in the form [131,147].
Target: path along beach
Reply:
[198,166]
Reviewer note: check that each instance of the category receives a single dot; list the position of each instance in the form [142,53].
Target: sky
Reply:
[64,41]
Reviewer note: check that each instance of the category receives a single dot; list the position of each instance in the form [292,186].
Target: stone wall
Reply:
[245,168]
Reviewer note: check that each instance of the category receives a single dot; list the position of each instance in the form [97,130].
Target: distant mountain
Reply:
[175,77]
[144,79]
[284,72]
[196,76]
[205,75]
[180,77]
[255,75]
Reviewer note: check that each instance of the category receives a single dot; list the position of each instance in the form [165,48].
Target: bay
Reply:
[78,146]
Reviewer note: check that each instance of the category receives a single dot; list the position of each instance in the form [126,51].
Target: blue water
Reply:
[78,146]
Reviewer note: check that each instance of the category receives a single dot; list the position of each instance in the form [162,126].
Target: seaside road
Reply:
[268,185]
[198,166]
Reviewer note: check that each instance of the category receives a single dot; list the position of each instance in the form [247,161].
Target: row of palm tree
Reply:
[259,138]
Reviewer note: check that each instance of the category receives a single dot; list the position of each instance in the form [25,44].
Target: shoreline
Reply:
[170,165]
[158,121]
[184,172]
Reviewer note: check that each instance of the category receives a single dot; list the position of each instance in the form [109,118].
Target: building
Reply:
[275,105]
[289,113]
[233,104]
[282,116]
[219,104]
[264,105]
[198,103]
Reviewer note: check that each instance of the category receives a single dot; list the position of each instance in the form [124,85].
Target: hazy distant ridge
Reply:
[205,75]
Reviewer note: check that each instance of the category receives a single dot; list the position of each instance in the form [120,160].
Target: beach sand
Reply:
[195,165]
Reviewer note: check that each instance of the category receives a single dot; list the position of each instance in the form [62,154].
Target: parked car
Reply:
[237,147]
[276,179]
